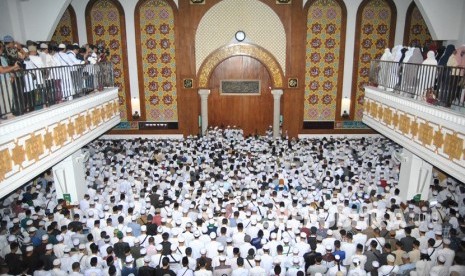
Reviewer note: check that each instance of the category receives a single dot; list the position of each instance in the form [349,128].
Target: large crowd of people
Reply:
[225,204]
[57,72]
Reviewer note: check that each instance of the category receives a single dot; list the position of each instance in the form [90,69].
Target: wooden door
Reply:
[252,113]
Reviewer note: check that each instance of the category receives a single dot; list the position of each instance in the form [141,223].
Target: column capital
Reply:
[277,93]
[204,92]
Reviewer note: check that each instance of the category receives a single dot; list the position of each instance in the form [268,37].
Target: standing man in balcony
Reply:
[6,89]
[34,87]
[76,71]
[64,74]
[15,54]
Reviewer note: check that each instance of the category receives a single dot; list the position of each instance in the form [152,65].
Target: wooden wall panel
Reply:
[253,113]
[294,19]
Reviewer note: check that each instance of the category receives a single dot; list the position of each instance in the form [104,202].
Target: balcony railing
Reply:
[438,85]
[33,89]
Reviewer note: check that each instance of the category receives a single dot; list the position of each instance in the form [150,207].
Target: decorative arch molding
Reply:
[416,30]
[223,19]
[109,29]
[254,51]
[370,43]
[326,37]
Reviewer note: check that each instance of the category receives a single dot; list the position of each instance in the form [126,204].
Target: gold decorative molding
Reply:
[59,135]
[387,116]
[438,139]
[34,147]
[5,163]
[89,120]
[254,51]
[80,124]
[96,117]
[380,112]
[395,120]
[404,125]
[434,137]
[70,129]
[48,140]
[18,155]
[37,144]
[414,128]
[425,134]
[453,146]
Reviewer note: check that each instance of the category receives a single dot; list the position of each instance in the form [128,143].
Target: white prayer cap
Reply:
[56,262]
[129,259]
[390,258]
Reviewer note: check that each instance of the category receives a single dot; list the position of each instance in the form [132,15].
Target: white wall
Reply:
[11,20]
[401,6]
[444,18]
[79,7]
[352,7]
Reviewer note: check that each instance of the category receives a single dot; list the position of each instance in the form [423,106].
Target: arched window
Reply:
[156,60]
[106,28]
[326,25]
[376,24]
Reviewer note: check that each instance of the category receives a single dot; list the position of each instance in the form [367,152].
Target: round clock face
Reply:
[240,36]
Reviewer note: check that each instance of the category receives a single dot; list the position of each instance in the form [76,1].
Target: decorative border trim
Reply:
[422,129]
[39,144]
[254,51]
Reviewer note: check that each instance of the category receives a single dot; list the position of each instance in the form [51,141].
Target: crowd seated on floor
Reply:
[225,204]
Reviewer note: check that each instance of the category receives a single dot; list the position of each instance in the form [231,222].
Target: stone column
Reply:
[276,110]
[204,108]
[414,177]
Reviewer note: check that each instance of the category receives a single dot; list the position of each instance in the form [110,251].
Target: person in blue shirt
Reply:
[338,251]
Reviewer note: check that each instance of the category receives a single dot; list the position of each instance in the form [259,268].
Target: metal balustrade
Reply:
[33,89]
[438,85]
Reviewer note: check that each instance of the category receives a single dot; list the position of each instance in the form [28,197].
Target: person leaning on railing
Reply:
[454,78]
[5,83]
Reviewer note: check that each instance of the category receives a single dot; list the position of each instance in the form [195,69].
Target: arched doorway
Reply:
[252,112]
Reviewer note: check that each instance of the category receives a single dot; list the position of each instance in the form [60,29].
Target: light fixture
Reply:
[135,106]
[345,107]
[240,36]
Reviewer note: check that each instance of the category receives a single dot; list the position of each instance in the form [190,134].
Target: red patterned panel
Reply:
[157,61]
[65,31]
[418,34]
[374,35]
[324,25]
[105,27]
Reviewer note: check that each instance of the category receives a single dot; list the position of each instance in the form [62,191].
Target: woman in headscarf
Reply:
[427,74]
[444,79]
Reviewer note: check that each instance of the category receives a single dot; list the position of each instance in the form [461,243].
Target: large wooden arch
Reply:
[254,51]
